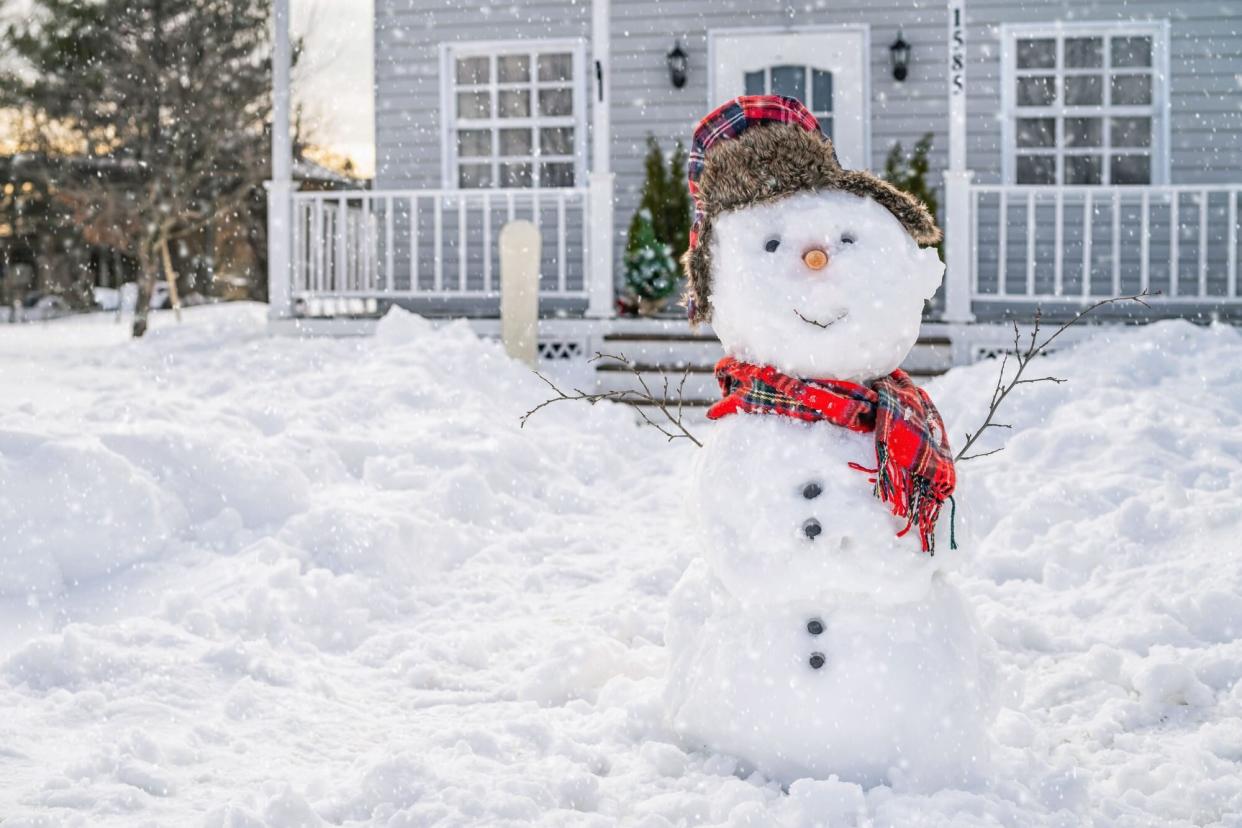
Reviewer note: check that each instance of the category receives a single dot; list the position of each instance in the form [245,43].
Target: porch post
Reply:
[601,181]
[958,242]
[280,188]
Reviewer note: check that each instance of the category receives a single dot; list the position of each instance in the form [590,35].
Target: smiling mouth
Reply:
[818,323]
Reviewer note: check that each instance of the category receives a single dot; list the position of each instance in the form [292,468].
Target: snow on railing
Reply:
[1078,243]
[359,246]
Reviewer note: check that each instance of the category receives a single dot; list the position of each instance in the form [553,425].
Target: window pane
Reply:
[556,140]
[821,90]
[1082,169]
[1037,132]
[1131,51]
[825,124]
[556,174]
[1084,132]
[474,105]
[1040,53]
[559,67]
[1036,91]
[474,175]
[1084,52]
[513,103]
[1084,90]
[515,175]
[513,68]
[474,70]
[1130,132]
[556,102]
[754,83]
[1036,169]
[1131,169]
[474,143]
[789,81]
[515,142]
[1130,90]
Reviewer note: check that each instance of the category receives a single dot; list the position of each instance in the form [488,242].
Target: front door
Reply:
[825,68]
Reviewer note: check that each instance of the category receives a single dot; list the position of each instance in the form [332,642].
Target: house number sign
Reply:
[957,48]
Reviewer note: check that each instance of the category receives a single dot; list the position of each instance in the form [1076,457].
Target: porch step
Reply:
[700,390]
[930,356]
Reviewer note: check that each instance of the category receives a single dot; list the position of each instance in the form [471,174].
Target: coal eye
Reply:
[772,245]
[848,238]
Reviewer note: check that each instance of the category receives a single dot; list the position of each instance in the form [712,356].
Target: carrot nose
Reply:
[815,258]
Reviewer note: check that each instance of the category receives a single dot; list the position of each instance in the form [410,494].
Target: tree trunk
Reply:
[148,271]
[171,276]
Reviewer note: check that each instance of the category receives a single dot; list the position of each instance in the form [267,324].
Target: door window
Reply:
[805,83]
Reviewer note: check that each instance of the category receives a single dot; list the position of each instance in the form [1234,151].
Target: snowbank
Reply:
[253,581]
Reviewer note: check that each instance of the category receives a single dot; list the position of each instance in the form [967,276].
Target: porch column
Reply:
[280,188]
[958,242]
[601,181]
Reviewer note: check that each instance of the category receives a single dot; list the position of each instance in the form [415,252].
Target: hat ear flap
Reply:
[912,213]
[697,263]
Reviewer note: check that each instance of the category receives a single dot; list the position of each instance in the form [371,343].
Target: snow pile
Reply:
[254,581]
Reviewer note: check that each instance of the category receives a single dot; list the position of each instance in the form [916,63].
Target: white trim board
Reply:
[1157,30]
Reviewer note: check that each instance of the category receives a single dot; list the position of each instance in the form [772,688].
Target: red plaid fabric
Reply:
[731,119]
[914,471]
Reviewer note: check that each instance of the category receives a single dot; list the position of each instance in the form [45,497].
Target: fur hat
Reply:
[761,148]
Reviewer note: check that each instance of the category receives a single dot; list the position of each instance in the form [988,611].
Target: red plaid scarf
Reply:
[914,465]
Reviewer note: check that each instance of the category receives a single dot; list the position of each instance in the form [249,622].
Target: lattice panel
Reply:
[559,349]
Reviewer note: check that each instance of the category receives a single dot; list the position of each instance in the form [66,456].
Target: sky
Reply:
[334,81]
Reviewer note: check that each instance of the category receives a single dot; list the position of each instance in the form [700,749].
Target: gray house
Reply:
[1083,150]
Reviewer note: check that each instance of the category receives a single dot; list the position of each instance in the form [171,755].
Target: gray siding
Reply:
[1205,46]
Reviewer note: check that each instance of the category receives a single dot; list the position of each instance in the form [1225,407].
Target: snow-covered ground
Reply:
[249,581]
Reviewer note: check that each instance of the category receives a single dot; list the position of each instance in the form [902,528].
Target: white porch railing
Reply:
[1077,244]
[430,244]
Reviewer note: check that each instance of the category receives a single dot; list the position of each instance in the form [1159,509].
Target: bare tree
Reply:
[164,103]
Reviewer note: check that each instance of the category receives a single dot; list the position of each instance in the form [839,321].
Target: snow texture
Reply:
[255,581]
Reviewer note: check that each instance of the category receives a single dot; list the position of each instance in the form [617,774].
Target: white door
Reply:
[825,68]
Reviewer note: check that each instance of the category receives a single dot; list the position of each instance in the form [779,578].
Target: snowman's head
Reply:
[796,262]
[819,284]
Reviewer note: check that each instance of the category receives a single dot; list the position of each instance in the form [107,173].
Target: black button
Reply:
[812,491]
[812,528]
[817,660]
[815,626]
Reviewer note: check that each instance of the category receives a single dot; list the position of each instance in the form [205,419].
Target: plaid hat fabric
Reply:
[730,120]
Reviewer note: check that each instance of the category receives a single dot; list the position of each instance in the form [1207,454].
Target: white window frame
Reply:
[450,52]
[1157,30]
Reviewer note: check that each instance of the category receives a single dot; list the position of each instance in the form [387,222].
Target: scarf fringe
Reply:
[912,497]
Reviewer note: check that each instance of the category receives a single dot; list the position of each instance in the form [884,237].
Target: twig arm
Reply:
[1022,358]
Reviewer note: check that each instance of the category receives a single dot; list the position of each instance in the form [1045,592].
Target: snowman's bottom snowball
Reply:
[903,697]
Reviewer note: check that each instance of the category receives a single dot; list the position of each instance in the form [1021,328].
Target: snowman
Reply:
[817,635]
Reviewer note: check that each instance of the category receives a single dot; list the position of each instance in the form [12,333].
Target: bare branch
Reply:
[1023,357]
[673,429]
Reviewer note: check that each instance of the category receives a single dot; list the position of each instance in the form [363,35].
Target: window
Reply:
[1085,104]
[805,83]
[514,115]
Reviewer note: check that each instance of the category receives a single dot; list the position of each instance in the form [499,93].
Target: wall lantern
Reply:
[899,55]
[678,62]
